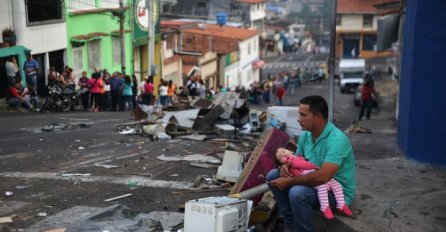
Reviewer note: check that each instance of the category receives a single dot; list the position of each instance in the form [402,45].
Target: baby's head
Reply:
[282,153]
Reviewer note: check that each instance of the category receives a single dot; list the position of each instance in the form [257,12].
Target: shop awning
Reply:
[15,50]
[258,64]
[88,37]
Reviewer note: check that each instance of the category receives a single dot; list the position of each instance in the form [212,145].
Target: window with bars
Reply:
[74,5]
[116,43]
[78,62]
[94,54]
[41,12]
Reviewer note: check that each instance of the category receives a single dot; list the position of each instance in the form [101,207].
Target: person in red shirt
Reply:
[367,98]
[147,91]
[280,93]
[15,99]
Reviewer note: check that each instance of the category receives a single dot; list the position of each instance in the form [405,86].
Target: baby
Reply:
[297,165]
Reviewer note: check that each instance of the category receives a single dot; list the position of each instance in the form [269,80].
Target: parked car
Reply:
[351,74]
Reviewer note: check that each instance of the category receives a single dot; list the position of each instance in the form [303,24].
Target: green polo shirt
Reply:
[332,146]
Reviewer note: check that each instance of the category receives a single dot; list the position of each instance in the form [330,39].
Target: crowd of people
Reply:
[118,92]
[16,95]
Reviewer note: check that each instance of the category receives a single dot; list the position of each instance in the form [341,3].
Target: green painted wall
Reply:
[104,22]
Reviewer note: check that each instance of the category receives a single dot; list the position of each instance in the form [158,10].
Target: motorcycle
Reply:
[61,99]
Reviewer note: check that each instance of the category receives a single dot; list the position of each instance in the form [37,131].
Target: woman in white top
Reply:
[163,93]
[201,89]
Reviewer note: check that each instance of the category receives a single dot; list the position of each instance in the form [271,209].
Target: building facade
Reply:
[41,28]
[225,40]
[94,36]
[356,28]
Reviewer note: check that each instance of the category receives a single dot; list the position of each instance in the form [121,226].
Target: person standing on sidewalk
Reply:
[31,67]
[12,71]
[323,144]
[280,94]
[367,97]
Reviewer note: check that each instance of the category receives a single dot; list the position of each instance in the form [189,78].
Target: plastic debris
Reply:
[8,193]
[41,214]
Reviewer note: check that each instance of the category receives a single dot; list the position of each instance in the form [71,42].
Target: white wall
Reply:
[355,22]
[5,15]
[257,14]
[230,78]
[40,39]
[246,74]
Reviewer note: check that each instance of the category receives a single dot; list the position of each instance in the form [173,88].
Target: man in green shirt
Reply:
[327,147]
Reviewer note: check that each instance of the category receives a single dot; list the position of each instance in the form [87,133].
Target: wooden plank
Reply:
[261,161]
[119,197]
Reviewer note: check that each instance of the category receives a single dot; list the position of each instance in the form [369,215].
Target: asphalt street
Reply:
[81,160]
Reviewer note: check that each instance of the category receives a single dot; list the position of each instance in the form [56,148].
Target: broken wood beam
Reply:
[118,197]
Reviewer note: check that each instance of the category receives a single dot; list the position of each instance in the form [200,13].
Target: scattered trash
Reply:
[21,186]
[108,166]
[194,157]
[81,148]
[75,174]
[203,165]
[153,130]
[207,179]
[195,136]
[61,127]
[115,218]
[118,197]
[77,140]
[174,175]
[42,214]
[163,136]
[8,193]
[5,220]
[246,129]
[355,127]
[132,184]
[128,131]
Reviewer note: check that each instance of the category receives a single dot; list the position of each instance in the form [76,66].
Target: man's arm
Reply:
[318,177]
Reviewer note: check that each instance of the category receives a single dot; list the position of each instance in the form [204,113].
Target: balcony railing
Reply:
[44,12]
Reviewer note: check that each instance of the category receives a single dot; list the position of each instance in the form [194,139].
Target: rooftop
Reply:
[223,32]
[358,6]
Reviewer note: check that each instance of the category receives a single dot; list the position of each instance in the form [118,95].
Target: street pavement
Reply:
[394,193]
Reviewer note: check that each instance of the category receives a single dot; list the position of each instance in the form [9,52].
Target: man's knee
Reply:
[300,193]
[273,174]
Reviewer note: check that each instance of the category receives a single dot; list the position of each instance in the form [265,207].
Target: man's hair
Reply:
[317,105]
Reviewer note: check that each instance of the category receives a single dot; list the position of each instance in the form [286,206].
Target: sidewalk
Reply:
[394,193]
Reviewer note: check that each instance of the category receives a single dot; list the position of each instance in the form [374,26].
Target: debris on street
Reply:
[356,127]
[75,174]
[62,127]
[41,214]
[119,197]
[5,220]
[194,157]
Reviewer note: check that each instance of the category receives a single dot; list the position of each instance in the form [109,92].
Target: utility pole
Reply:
[122,33]
[151,36]
[332,62]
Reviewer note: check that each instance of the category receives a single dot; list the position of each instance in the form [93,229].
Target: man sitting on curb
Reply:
[15,98]
[323,144]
